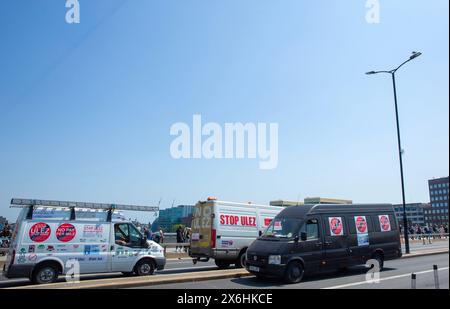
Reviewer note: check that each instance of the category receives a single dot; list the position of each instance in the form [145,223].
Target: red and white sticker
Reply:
[277,226]
[66,232]
[336,226]
[267,221]
[237,220]
[39,232]
[385,224]
[361,224]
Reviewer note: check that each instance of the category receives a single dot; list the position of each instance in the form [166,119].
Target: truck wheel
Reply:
[145,268]
[294,272]
[240,262]
[45,274]
[222,264]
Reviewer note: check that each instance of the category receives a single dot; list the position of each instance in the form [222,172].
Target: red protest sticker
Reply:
[385,224]
[267,221]
[66,232]
[336,226]
[361,224]
[39,232]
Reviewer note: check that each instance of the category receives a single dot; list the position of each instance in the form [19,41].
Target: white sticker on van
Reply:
[361,224]
[362,230]
[226,219]
[385,224]
[336,226]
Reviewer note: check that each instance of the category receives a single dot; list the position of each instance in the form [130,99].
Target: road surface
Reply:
[397,275]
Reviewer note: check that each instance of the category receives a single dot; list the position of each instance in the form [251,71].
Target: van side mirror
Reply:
[296,238]
[303,236]
[260,233]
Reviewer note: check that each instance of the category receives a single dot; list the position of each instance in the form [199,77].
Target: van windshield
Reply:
[283,228]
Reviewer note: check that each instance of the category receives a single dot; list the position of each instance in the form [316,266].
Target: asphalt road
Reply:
[186,265]
[397,275]
[172,266]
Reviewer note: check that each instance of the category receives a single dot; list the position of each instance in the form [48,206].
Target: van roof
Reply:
[307,209]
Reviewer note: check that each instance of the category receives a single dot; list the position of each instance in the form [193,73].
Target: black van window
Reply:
[393,221]
[312,229]
[375,223]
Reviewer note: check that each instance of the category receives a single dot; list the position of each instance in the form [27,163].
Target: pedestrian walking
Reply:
[180,238]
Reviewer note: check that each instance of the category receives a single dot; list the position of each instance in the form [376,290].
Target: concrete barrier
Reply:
[127,282]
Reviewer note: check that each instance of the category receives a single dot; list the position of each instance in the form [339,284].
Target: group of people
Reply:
[183,236]
[157,236]
[5,236]
[434,231]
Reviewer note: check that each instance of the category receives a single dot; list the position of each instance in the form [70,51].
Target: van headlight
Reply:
[275,259]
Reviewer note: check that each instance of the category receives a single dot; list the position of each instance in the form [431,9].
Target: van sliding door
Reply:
[335,241]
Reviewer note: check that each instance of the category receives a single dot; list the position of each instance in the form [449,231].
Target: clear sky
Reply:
[86,109]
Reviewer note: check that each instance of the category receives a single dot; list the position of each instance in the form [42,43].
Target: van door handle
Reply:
[327,243]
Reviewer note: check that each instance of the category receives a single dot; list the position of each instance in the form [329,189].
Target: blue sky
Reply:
[86,108]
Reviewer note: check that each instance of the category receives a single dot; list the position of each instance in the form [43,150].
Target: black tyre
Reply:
[294,272]
[145,268]
[380,259]
[222,264]
[45,274]
[240,262]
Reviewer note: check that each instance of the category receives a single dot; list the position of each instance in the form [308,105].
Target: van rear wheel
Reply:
[379,258]
[222,264]
[240,262]
[294,272]
[45,274]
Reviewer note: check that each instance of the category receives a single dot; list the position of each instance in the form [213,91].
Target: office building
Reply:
[437,214]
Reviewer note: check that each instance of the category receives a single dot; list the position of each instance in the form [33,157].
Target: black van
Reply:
[316,238]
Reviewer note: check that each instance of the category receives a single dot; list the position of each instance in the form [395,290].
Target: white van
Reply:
[50,235]
[224,230]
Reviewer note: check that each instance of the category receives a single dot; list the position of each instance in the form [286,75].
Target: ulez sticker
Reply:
[39,232]
[336,226]
[385,224]
[66,232]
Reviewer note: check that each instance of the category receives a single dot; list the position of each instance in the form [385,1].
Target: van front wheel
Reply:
[294,272]
[145,268]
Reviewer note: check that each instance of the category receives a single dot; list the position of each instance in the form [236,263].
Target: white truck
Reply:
[224,230]
[50,237]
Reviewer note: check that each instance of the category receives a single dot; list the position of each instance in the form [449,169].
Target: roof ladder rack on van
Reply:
[31,204]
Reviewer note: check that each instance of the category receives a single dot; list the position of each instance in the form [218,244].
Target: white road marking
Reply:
[383,279]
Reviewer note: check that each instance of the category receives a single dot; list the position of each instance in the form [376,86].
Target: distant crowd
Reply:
[183,235]
[5,236]
[434,231]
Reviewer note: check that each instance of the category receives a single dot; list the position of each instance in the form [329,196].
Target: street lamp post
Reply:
[392,72]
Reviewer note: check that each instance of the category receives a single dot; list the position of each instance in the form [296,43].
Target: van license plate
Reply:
[253,268]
